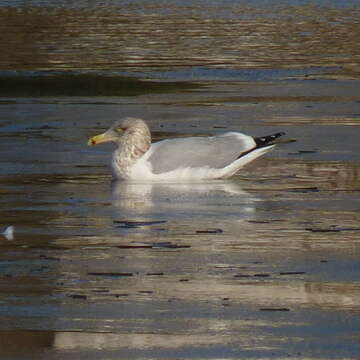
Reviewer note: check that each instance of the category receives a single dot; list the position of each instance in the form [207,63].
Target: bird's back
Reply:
[214,152]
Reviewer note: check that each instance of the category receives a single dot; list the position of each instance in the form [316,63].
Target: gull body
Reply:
[180,159]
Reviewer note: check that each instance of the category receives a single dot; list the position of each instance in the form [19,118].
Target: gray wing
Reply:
[214,152]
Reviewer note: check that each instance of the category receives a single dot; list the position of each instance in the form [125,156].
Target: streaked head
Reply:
[120,128]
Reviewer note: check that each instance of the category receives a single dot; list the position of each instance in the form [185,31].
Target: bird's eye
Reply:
[119,129]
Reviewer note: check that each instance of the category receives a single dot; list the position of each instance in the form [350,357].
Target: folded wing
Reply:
[214,152]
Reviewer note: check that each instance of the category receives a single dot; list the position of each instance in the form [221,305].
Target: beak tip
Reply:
[91,142]
[99,139]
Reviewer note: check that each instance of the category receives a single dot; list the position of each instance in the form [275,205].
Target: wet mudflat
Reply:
[264,265]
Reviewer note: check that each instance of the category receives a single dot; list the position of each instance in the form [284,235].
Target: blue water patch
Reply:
[230,74]
[193,73]
[127,83]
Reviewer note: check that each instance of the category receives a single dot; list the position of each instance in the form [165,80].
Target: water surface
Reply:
[264,265]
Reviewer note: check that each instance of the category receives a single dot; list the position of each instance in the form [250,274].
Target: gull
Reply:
[180,159]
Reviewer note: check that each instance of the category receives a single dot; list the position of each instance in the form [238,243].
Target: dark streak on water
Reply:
[261,266]
[45,84]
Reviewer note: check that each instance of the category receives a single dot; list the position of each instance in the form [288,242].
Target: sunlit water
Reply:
[264,265]
[118,35]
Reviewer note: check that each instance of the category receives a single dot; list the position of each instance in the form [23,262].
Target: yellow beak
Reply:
[98,139]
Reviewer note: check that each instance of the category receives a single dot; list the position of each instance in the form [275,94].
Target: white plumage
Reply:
[181,159]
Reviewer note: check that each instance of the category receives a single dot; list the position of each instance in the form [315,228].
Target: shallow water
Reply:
[264,265]
[137,35]
[256,266]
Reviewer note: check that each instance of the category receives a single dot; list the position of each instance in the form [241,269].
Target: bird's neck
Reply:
[131,147]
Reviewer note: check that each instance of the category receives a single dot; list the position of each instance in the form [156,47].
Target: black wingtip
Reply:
[268,139]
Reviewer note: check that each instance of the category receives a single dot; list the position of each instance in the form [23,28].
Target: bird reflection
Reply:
[219,199]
